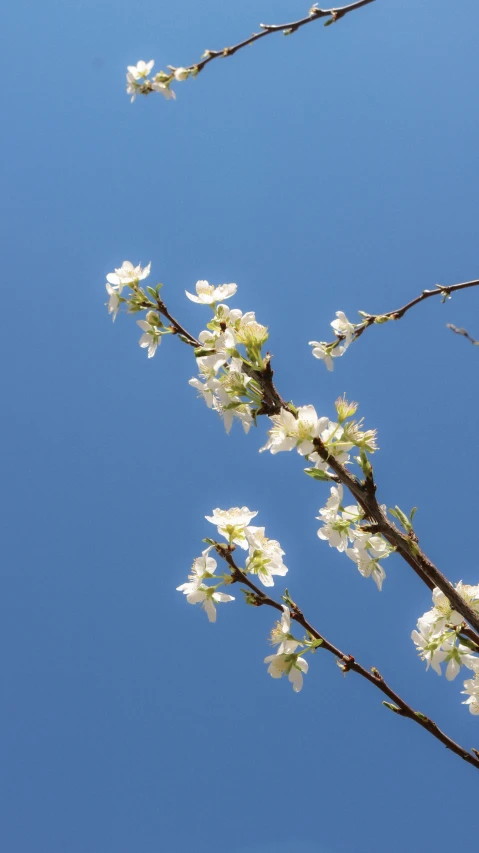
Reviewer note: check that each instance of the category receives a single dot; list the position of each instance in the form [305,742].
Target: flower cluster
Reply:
[344,331]
[224,379]
[265,559]
[342,529]
[138,81]
[301,428]
[129,276]
[438,640]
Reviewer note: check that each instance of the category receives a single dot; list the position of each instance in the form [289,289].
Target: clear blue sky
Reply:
[336,169]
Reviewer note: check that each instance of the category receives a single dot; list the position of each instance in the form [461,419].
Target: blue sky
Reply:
[336,169]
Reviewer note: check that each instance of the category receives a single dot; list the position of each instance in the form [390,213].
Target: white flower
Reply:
[141,69]
[206,391]
[131,86]
[203,567]
[472,690]
[181,74]
[326,353]
[151,337]
[265,557]
[342,326]
[281,634]
[230,407]
[207,597]
[114,300]
[235,515]
[164,90]
[367,565]
[231,523]
[460,656]
[127,274]
[289,432]
[290,664]
[206,293]
[429,646]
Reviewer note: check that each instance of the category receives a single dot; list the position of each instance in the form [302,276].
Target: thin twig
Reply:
[315,14]
[398,313]
[348,663]
[464,333]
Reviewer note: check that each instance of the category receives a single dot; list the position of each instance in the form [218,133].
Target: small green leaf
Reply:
[412,513]
[316,474]
[392,707]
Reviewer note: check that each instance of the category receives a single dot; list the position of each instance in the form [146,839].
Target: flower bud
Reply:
[182,74]
[153,319]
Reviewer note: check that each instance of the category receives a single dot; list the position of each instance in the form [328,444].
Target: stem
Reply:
[349,663]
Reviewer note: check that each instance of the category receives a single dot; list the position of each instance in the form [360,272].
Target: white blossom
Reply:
[281,634]
[289,664]
[207,391]
[230,407]
[127,274]
[208,597]
[151,337]
[163,89]
[207,294]
[342,326]
[288,432]
[203,567]
[131,86]
[429,646]
[265,557]
[231,523]
[141,69]
[181,74]
[114,300]
[472,690]
[326,353]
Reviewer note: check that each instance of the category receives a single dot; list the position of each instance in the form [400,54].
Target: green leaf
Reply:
[392,707]
[412,513]
[398,513]
[152,292]
[316,474]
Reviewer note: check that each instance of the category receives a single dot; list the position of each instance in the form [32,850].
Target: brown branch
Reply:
[406,546]
[348,663]
[315,14]
[363,492]
[398,313]
[464,333]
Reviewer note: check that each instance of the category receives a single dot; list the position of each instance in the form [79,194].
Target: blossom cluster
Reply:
[265,560]
[129,276]
[300,428]
[341,527]
[438,640]
[224,381]
[139,82]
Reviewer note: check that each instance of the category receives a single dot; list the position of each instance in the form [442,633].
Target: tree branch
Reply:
[464,333]
[398,313]
[348,663]
[364,494]
[315,14]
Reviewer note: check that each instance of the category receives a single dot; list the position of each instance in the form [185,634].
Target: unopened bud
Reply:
[181,74]
[153,319]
